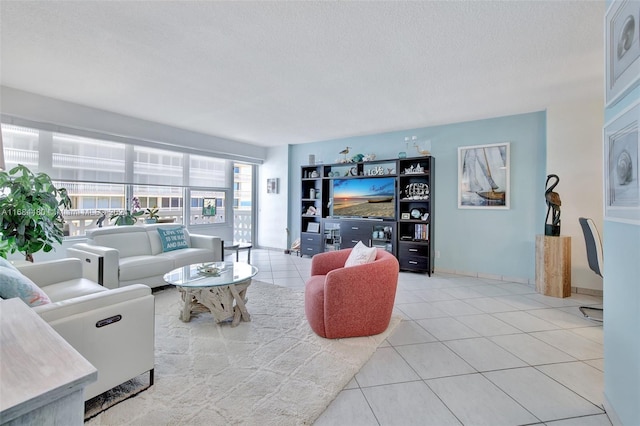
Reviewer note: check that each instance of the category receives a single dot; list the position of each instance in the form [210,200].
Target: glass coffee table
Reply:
[217,287]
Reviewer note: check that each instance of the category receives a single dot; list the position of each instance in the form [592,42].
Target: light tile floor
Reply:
[470,351]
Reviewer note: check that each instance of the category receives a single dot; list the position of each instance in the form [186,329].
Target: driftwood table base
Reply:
[225,303]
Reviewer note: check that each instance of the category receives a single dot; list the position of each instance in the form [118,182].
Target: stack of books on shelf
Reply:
[421,232]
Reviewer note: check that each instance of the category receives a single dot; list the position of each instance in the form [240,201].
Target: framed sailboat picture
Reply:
[483,176]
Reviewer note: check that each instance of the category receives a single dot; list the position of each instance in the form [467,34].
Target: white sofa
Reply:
[112,329]
[133,254]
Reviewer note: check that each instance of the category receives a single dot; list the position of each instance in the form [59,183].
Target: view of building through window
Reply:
[103,176]
[242,202]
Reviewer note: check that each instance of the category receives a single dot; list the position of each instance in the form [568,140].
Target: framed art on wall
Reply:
[483,176]
[272,186]
[208,207]
[622,45]
[621,160]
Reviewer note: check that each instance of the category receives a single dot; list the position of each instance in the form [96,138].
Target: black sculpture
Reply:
[103,216]
[553,207]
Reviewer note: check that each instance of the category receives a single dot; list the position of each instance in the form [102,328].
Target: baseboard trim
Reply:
[482,275]
[519,280]
[611,413]
[588,291]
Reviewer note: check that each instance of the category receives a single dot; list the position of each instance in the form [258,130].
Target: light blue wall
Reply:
[621,284]
[492,242]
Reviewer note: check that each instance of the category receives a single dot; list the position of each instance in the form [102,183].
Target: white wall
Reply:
[574,153]
[273,208]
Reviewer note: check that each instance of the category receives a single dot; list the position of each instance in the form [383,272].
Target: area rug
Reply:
[271,371]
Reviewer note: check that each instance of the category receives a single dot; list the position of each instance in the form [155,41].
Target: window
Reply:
[168,200]
[197,203]
[157,167]
[102,176]
[242,202]
[84,159]
[20,147]
[207,172]
[90,202]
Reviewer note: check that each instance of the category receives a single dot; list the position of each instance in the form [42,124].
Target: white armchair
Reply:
[112,329]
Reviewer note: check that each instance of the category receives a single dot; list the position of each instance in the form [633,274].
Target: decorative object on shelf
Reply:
[405,216]
[416,213]
[402,154]
[314,174]
[272,185]
[621,166]
[312,159]
[416,191]
[369,157]
[423,152]
[311,211]
[425,216]
[553,206]
[357,158]
[313,227]
[414,169]
[622,50]
[31,214]
[344,153]
[353,171]
[483,176]
[376,171]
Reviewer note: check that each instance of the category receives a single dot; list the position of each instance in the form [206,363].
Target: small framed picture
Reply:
[621,162]
[622,45]
[405,216]
[209,207]
[313,227]
[272,186]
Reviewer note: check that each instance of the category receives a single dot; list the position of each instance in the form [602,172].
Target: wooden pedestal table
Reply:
[553,265]
[223,293]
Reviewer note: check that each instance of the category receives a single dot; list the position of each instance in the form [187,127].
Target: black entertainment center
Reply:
[383,203]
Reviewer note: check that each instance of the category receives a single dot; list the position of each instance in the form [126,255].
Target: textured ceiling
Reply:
[272,73]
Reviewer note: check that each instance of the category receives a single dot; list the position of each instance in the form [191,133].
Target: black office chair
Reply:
[595,259]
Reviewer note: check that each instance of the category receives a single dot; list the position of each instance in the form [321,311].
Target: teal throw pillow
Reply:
[172,239]
[14,284]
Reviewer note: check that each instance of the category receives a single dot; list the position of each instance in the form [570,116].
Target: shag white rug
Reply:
[273,370]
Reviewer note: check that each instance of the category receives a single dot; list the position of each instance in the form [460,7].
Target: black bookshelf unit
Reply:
[415,221]
[402,226]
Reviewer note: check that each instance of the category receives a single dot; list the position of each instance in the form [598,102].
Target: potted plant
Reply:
[30,215]
[129,216]
[152,215]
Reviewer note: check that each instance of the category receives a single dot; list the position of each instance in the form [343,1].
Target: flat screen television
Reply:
[364,197]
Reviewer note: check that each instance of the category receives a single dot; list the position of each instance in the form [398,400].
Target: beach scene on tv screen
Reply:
[365,197]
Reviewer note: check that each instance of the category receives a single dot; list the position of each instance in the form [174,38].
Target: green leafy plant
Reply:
[129,216]
[152,213]
[30,212]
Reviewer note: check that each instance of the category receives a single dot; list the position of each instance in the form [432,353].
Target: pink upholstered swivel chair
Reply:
[353,301]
